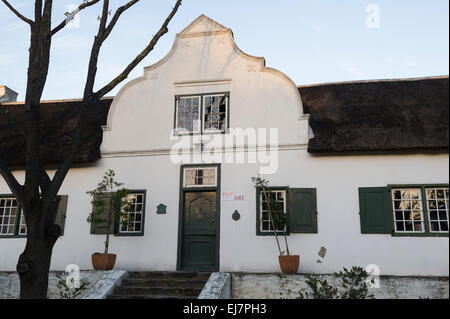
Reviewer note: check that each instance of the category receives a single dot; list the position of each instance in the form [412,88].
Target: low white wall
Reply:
[99,284]
[273,286]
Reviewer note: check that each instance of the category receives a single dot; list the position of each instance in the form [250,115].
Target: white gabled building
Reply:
[361,168]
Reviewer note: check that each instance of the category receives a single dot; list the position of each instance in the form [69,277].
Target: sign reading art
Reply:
[232,196]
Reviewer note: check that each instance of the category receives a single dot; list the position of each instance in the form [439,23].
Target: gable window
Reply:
[188,115]
[203,113]
[132,214]
[214,113]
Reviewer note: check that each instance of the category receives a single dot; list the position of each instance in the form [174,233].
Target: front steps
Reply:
[161,285]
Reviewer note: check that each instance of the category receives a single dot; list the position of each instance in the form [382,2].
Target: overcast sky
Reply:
[311,41]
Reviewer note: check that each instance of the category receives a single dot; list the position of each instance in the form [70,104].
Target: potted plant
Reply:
[289,264]
[108,200]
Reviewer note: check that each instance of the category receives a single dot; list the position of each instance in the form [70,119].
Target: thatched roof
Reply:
[387,116]
[58,120]
[406,116]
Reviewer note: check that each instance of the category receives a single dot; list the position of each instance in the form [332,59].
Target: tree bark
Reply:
[34,263]
[38,195]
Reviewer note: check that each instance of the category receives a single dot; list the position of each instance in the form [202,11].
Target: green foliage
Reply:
[276,212]
[109,199]
[321,289]
[352,285]
[110,204]
[65,292]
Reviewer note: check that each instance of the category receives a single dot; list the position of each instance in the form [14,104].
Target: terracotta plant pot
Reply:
[289,264]
[103,261]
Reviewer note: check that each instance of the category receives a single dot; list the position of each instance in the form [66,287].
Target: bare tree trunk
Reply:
[34,263]
[38,195]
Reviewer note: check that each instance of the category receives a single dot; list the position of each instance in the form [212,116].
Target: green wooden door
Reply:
[199,234]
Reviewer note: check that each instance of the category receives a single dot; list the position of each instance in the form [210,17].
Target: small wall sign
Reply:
[161,209]
[232,196]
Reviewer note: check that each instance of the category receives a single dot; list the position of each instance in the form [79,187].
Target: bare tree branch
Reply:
[17,13]
[116,17]
[72,15]
[90,98]
[122,76]
[12,182]
[95,51]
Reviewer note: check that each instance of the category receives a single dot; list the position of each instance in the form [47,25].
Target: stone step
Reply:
[166,291]
[182,275]
[163,282]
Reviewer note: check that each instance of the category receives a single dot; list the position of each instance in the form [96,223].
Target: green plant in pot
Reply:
[109,199]
[289,264]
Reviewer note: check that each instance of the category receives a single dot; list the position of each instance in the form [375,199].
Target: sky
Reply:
[312,41]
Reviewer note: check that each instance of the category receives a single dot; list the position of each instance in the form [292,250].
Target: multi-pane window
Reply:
[421,209]
[277,200]
[201,113]
[188,114]
[200,177]
[22,225]
[437,205]
[132,213]
[408,210]
[214,113]
[12,221]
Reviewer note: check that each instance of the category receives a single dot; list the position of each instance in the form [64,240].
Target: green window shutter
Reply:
[302,210]
[62,211]
[102,228]
[375,210]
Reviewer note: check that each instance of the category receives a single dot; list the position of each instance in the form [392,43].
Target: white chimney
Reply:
[7,95]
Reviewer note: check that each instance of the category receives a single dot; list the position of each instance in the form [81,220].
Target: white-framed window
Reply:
[215,114]
[408,210]
[12,219]
[22,225]
[421,209]
[278,200]
[437,206]
[203,113]
[187,114]
[132,214]
[200,177]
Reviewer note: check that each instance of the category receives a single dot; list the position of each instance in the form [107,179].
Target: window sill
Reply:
[420,235]
[259,233]
[141,234]
[12,236]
